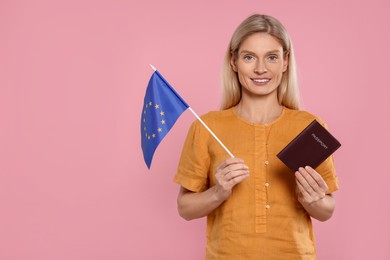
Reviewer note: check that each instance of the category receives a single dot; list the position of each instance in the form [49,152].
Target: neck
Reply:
[259,111]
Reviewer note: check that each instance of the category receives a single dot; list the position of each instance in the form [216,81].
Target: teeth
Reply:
[261,80]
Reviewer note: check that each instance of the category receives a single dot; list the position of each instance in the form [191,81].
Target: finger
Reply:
[309,180]
[234,181]
[309,188]
[299,175]
[302,191]
[235,177]
[228,181]
[236,173]
[235,167]
[312,190]
[229,161]
[317,177]
[233,171]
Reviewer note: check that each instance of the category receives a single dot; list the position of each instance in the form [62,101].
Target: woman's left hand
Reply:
[311,187]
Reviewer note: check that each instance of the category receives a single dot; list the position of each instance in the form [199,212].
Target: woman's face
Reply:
[260,64]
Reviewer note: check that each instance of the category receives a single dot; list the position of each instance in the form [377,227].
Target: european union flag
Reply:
[162,107]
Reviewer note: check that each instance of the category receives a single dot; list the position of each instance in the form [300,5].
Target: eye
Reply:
[273,58]
[248,58]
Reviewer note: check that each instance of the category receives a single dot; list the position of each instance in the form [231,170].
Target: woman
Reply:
[256,207]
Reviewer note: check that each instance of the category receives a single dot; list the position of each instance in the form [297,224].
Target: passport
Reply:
[309,148]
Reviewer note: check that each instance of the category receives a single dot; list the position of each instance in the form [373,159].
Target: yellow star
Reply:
[162,113]
[156,106]
[163,121]
[150,103]
[159,129]
[144,120]
[153,135]
[144,128]
[146,105]
[144,111]
[148,137]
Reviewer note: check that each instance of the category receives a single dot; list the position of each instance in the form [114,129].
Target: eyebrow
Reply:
[251,52]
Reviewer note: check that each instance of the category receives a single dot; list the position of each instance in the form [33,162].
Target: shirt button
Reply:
[267,206]
[266,162]
[266,184]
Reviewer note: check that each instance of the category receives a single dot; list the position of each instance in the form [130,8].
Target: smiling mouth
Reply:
[261,81]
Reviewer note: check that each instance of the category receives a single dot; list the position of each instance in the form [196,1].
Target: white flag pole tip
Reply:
[153,68]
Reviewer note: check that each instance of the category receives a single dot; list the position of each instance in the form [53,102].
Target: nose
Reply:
[260,67]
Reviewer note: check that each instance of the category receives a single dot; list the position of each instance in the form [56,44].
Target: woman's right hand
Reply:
[229,173]
[193,205]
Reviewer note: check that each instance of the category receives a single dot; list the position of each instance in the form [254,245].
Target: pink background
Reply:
[73,74]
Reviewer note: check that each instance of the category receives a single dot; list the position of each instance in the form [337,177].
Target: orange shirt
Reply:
[262,219]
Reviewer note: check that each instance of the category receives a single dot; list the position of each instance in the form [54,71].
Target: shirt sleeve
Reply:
[328,173]
[194,164]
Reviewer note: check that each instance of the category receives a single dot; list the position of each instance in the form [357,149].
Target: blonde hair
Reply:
[288,92]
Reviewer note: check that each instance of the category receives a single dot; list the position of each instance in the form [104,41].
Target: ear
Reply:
[285,61]
[233,62]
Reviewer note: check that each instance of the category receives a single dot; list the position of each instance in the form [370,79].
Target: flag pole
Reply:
[211,132]
[203,123]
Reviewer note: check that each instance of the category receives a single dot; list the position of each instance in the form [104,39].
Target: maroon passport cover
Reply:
[309,148]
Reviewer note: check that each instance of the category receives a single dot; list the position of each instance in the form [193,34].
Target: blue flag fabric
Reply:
[162,107]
